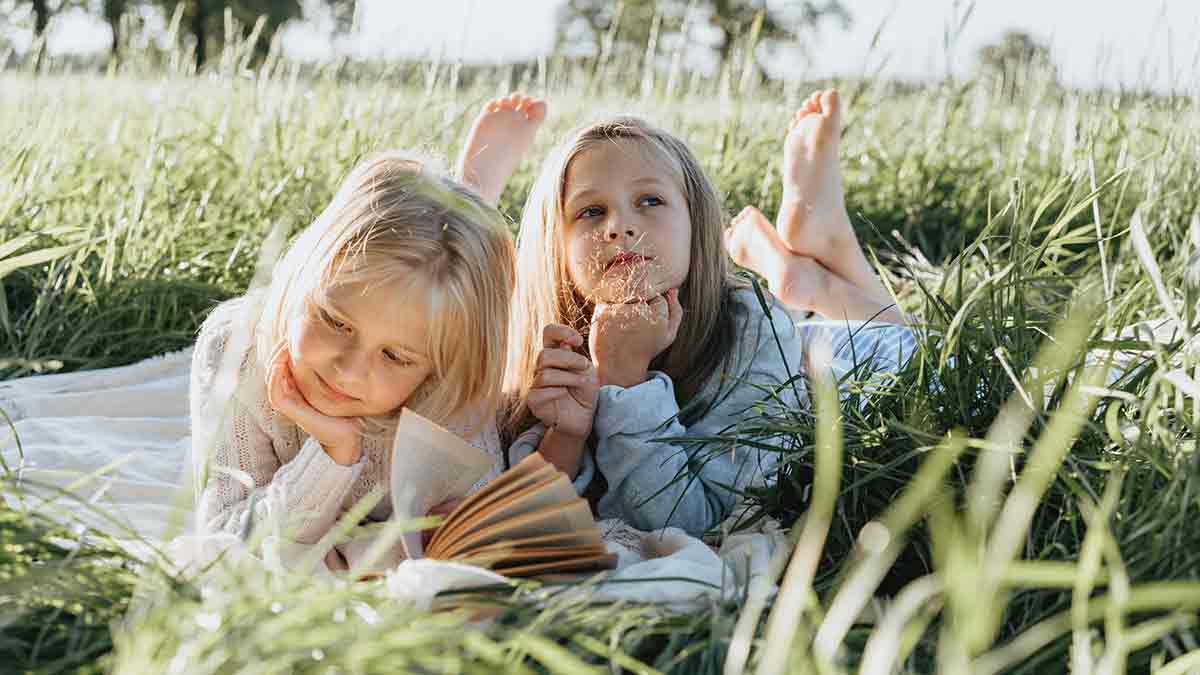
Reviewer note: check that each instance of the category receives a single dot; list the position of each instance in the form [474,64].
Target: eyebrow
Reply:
[397,345]
[644,180]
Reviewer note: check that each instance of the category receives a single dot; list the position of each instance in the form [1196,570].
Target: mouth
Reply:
[626,258]
[331,391]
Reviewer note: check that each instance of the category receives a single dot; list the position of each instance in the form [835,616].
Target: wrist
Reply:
[621,376]
[564,450]
[565,438]
[346,454]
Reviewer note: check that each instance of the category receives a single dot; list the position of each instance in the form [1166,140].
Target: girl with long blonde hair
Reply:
[633,344]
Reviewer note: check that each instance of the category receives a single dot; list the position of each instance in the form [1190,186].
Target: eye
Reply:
[397,359]
[340,326]
[652,200]
[590,212]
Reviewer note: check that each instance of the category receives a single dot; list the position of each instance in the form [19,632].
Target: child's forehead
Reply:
[361,286]
[613,159]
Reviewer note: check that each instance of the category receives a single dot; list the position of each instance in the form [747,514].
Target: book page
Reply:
[514,480]
[554,491]
[570,517]
[508,558]
[605,561]
[430,465]
[587,537]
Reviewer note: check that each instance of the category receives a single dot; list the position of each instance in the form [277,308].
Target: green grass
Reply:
[130,203]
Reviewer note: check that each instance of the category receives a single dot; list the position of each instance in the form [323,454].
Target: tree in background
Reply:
[204,19]
[42,11]
[113,10]
[1013,59]
[586,23]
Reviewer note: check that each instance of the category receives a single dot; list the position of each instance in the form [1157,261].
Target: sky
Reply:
[1093,42]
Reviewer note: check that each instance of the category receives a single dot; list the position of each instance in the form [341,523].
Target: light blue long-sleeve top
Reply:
[631,424]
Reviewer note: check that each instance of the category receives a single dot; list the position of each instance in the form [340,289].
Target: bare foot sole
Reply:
[812,216]
[797,280]
[498,139]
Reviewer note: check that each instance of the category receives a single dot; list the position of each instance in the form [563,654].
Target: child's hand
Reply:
[565,387]
[339,436]
[625,338]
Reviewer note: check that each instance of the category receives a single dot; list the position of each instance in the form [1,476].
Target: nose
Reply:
[351,366]
[621,225]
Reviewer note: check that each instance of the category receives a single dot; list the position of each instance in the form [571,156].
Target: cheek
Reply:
[683,246]
[307,342]
[582,256]
[396,390]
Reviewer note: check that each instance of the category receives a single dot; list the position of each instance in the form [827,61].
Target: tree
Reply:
[1013,58]
[113,10]
[587,22]
[204,19]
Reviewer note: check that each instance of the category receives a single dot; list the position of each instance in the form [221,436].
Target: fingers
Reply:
[544,403]
[562,359]
[557,335]
[545,395]
[553,377]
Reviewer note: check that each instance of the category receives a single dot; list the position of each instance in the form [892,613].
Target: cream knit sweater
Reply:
[258,464]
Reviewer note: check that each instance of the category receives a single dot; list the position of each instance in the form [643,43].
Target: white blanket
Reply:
[117,439]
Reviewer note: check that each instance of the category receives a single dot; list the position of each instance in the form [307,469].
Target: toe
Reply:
[830,103]
[536,110]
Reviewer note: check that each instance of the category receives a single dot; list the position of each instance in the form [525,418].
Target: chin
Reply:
[624,292]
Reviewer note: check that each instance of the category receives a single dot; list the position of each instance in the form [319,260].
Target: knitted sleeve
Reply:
[234,441]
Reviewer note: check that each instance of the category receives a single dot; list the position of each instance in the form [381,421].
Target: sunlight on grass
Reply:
[1022,496]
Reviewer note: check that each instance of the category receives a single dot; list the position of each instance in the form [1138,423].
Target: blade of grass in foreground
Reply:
[785,632]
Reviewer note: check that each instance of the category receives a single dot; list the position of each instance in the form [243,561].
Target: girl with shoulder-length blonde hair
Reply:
[396,296]
[628,327]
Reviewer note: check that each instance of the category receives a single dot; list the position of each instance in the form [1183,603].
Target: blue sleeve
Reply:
[654,484]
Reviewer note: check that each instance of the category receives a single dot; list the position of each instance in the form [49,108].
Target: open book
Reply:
[527,521]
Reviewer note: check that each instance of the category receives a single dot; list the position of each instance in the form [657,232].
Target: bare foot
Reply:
[813,212]
[798,281]
[801,283]
[812,216]
[498,139]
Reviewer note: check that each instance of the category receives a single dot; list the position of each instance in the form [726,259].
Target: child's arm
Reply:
[563,397]
[631,422]
[247,482]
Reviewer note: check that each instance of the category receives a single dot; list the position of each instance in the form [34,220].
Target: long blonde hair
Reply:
[546,295]
[396,220]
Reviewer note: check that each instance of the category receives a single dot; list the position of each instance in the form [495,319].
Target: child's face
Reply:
[626,225]
[359,353]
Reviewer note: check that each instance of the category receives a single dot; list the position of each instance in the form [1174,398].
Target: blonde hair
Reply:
[395,220]
[546,295]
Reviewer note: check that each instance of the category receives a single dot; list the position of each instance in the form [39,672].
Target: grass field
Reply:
[1009,507]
